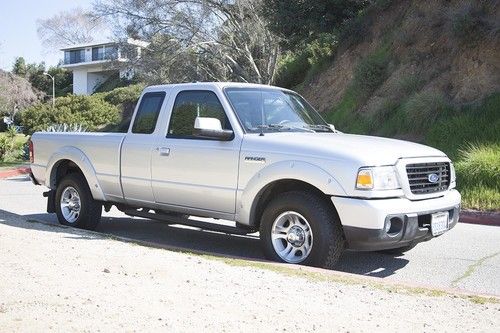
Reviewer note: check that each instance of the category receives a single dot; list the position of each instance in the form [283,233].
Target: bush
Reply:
[474,124]
[423,108]
[11,149]
[478,176]
[371,72]
[124,95]
[92,112]
[295,67]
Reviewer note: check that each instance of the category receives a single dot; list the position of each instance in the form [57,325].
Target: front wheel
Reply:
[301,228]
[74,203]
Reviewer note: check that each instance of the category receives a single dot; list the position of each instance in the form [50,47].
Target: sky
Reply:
[18,36]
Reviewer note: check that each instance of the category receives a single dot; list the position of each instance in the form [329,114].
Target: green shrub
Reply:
[11,149]
[91,112]
[480,165]
[475,124]
[478,176]
[371,72]
[423,108]
[408,85]
[296,67]
[129,94]
[480,198]
[292,69]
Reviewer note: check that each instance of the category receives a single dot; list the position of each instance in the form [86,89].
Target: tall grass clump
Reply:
[474,124]
[478,176]
[371,72]
[423,108]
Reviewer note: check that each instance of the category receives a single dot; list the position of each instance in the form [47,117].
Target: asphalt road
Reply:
[466,258]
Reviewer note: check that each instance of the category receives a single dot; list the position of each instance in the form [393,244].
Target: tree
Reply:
[34,73]
[68,28]
[16,93]
[299,20]
[199,39]
[19,67]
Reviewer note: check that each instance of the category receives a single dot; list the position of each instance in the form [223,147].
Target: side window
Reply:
[147,114]
[191,104]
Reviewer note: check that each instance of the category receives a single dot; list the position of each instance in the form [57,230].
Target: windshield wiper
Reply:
[280,127]
[320,128]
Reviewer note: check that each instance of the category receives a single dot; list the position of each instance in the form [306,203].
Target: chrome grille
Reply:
[419,174]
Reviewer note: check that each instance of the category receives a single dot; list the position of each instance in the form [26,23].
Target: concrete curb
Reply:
[478,217]
[14,172]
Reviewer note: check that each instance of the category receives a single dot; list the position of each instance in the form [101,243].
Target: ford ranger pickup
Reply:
[259,156]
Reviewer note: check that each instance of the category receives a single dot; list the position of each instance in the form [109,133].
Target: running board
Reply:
[174,219]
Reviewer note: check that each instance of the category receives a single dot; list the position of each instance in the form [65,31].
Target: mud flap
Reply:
[51,201]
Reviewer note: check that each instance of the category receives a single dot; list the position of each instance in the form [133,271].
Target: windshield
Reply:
[261,109]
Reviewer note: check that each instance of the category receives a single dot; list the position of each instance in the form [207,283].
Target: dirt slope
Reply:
[450,47]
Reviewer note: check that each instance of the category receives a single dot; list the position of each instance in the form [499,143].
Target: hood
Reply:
[366,150]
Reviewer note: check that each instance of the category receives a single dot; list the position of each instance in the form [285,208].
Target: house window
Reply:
[74,56]
[97,53]
[110,52]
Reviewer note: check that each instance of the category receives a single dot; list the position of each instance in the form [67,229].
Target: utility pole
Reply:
[53,89]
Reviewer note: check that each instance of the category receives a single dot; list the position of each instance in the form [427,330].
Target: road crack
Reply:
[472,268]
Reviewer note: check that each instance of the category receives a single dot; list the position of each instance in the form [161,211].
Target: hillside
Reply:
[426,71]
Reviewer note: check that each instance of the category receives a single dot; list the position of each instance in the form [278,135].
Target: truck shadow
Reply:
[187,239]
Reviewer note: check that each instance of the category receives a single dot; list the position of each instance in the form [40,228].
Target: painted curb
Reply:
[14,172]
[482,218]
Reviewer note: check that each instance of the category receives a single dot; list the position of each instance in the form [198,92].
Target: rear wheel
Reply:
[75,205]
[301,228]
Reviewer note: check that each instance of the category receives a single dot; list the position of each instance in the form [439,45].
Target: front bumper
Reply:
[364,220]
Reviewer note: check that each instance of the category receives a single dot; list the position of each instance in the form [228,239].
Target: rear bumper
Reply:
[364,221]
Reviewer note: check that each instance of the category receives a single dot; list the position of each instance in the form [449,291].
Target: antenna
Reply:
[261,115]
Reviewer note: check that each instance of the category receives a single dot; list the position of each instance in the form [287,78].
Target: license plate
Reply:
[439,223]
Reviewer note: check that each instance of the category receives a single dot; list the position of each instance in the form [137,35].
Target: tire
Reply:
[398,250]
[321,241]
[67,203]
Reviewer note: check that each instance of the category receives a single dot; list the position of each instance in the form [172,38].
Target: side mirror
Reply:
[211,128]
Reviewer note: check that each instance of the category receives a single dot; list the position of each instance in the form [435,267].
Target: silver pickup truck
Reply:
[259,156]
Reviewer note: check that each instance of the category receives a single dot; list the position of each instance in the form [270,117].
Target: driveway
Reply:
[466,258]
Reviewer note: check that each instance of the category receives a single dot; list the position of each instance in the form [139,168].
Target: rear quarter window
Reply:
[147,113]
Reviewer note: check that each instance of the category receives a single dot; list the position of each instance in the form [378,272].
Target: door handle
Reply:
[163,151]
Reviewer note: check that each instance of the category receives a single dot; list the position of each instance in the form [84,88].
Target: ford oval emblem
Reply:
[433,178]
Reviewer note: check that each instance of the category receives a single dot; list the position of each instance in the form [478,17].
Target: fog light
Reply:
[387,226]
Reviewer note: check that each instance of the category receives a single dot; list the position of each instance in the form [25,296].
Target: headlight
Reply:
[377,178]
[453,177]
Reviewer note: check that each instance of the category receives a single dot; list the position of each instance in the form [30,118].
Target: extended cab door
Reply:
[192,172]
[137,148]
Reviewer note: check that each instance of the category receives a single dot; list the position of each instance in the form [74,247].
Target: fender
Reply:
[248,197]
[78,157]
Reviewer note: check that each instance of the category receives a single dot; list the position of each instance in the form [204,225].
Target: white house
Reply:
[91,63]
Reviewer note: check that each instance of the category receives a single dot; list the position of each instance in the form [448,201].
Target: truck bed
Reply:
[101,149]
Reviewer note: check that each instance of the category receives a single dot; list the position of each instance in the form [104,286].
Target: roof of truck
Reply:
[213,84]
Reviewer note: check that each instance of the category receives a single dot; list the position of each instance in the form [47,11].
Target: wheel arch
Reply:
[279,178]
[71,159]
